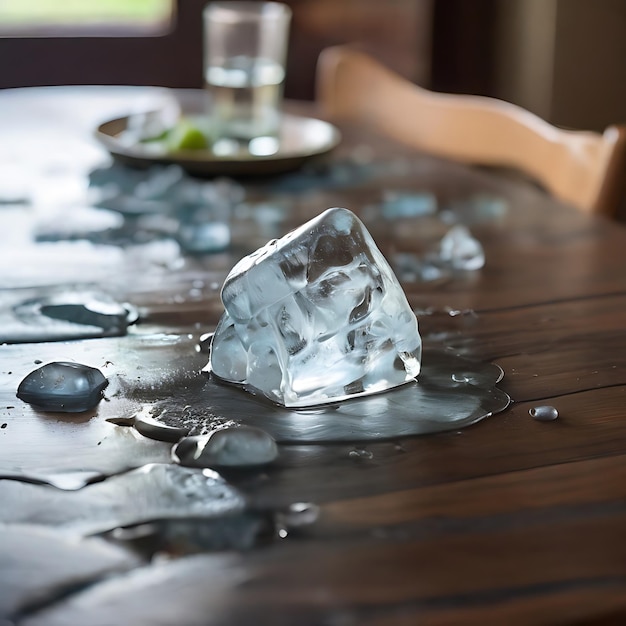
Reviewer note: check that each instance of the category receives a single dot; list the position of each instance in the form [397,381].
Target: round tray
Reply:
[299,140]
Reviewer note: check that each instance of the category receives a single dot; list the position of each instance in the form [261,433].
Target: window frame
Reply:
[124,56]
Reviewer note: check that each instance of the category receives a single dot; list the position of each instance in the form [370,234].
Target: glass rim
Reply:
[234,11]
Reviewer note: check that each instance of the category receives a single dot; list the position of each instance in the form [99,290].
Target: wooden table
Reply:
[509,521]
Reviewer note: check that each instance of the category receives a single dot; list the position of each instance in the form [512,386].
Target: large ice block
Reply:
[316,317]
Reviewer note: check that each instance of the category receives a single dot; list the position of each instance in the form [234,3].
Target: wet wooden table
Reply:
[509,521]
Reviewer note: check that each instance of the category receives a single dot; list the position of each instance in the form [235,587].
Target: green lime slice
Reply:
[186,136]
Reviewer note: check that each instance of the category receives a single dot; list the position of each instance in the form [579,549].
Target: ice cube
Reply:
[315,317]
[63,386]
[242,446]
[461,250]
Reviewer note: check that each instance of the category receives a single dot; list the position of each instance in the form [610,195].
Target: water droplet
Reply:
[544,413]
[460,378]
[360,453]
[63,386]
[300,514]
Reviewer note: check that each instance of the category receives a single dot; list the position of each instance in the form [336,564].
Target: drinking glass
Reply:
[245,49]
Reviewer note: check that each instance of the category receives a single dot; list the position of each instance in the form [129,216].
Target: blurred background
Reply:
[562,59]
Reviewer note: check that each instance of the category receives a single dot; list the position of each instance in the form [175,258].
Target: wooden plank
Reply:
[526,329]
[545,350]
[590,425]
[444,573]
[592,481]
[597,607]
[461,578]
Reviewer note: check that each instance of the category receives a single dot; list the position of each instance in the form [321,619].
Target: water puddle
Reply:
[58,314]
[152,492]
[452,392]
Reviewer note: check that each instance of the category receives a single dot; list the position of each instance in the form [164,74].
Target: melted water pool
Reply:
[452,392]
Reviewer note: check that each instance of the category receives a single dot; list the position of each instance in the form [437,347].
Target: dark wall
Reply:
[397,31]
[173,60]
[464,46]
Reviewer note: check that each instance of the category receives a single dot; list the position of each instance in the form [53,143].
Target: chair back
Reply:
[583,168]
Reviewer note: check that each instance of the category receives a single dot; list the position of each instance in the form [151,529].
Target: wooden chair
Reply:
[582,168]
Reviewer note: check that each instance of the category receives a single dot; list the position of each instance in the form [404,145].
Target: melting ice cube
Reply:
[315,317]
[63,386]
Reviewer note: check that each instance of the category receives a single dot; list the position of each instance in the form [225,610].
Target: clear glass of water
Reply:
[245,50]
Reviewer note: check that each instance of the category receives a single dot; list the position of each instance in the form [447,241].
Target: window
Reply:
[121,42]
[46,18]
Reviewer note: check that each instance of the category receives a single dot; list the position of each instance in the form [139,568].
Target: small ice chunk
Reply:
[315,317]
[241,446]
[63,386]
[408,205]
[212,236]
[461,250]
